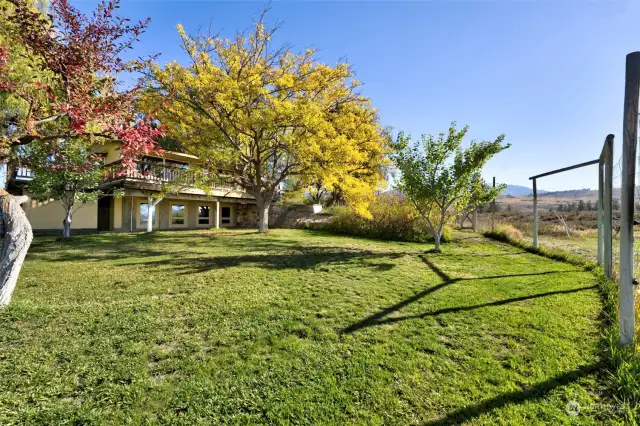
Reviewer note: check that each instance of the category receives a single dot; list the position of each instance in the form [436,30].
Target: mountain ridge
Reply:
[520,191]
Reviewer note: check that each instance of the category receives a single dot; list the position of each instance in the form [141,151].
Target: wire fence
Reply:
[567,220]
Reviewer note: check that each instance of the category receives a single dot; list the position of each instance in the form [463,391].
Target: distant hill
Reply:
[587,193]
[570,194]
[520,191]
[573,193]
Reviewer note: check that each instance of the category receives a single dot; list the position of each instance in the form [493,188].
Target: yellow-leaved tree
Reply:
[264,114]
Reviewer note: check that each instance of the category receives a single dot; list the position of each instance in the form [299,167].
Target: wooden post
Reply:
[493,210]
[629,143]
[600,209]
[607,199]
[535,215]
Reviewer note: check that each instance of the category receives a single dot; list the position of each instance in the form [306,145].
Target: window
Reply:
[177,214]
[225,215]
[204,213]
[144,215]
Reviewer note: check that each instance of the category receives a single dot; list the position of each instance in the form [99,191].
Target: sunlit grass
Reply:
[296,327]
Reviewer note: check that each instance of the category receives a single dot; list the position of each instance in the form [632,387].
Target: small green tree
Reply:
[437,173]
[65,171]
[581,206]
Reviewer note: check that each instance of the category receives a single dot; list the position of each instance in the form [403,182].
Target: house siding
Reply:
[125,214]
[48,215]
[117,213]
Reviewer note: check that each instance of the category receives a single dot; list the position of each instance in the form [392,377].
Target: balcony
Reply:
[22,174]
[154,174]
[18,177]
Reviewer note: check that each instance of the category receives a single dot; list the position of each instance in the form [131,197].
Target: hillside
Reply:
[518,191]
[572,193]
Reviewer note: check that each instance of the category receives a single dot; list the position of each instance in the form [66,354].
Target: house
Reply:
[225,205]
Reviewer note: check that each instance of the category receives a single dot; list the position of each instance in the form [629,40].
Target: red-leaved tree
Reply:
[76,92]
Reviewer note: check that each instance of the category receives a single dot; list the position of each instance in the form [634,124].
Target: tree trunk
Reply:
[437,237]
[264,203]
[66,232]
[18,236]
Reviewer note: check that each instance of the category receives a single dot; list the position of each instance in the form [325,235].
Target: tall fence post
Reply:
[607,198]
[493,210]
[535,214]
[601,167]
[629,143]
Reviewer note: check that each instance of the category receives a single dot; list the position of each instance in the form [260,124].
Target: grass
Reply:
[622,362]
[294,327]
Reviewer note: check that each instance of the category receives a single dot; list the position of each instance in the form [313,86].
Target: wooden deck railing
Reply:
[158,173]
[22,173]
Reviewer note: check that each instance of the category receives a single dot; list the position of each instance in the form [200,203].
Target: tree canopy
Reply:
[264,114]
[440,177]
[61,77]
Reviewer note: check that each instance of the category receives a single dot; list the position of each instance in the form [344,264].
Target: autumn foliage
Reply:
[266,114]
[74,62]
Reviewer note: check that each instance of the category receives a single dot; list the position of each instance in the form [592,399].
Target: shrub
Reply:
[511,231]
[392,219]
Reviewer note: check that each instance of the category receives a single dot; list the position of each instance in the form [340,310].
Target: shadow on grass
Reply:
[378,318]
[275,257]
[188,254]
[302,258]
[538,391]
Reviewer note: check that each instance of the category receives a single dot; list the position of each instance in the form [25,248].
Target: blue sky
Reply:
[548,74]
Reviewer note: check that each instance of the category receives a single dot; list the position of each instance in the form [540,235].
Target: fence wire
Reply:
[617,195]
[567,220]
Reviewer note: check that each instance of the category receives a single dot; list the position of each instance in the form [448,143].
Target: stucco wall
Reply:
[48,215]
[117,213]
[126,211]
[126,215]
[163,214]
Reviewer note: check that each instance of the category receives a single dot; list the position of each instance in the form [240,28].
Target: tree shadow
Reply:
[515,253]
[378,318]
[371,321]
[302,258]
[190,254]
[538,391]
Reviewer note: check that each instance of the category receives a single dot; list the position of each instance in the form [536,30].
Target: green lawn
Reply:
[297,328]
